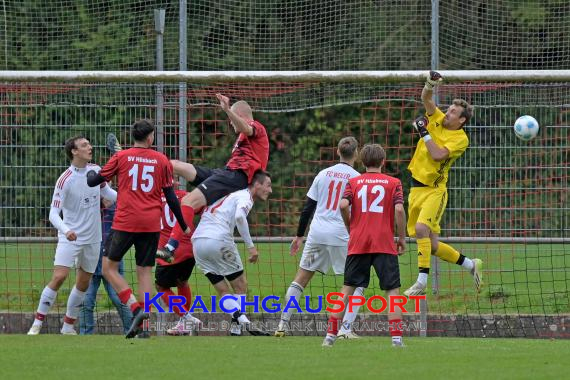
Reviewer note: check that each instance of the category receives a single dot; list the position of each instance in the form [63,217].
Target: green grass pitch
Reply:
[113,357]
[519,279]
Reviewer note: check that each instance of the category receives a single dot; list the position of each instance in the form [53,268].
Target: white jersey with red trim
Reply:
[218,221]
[79,204]
[327,189]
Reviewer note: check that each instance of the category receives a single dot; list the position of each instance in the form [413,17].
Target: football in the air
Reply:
[526,127]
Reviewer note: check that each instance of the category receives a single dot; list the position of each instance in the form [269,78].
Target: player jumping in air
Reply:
[442,141]
[250,154]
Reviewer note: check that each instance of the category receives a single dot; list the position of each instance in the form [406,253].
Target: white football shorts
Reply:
[216,256]
[322,257]
[84,256]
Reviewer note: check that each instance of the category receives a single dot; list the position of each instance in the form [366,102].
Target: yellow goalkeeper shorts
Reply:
[426,206]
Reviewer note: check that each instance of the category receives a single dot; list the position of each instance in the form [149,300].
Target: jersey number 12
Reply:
[375,204]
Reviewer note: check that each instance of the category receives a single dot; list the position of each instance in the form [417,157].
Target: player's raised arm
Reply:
[240,114]
[433,79]
[95,178]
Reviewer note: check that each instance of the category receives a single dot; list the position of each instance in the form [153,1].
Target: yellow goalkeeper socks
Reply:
[424,254]
[447,253]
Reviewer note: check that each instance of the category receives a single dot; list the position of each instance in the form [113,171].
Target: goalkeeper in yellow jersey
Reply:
[443,141]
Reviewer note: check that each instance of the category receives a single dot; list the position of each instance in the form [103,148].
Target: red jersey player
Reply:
[176,273]
[370,204]
[250,154]
[143,175]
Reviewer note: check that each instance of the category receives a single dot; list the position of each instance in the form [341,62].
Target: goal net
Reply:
[285,34]
[508,199]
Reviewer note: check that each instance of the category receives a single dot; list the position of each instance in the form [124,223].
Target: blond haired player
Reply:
[442,141]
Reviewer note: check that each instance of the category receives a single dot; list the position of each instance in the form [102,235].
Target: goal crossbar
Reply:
[450,76]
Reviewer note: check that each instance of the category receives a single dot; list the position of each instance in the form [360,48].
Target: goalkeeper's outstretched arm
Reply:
[433,79]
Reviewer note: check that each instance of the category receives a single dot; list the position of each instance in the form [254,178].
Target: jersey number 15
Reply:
[147,180]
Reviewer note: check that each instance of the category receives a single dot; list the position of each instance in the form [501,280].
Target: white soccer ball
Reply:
[526,128]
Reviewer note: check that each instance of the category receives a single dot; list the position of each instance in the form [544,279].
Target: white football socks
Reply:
[47,299]
[467,264]
[294,291]
[74,302]
[423,278]
[350,316]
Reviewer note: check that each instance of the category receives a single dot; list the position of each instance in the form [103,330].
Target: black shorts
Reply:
[168,276]
[146,243]
[217,183]
[357,270]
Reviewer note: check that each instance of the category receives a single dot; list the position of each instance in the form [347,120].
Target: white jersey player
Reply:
[327,243]
[216,252]
[215,233]
[79,232]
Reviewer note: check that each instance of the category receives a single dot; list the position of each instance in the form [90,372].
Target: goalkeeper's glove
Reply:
[113,144]
[420,125]
[433,79]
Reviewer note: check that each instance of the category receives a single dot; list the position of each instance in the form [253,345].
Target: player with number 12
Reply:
[371,205]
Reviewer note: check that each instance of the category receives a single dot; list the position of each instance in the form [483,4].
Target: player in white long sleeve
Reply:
[216,252]
[79,232]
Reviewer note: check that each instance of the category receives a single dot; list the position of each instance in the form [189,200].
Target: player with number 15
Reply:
[143,175]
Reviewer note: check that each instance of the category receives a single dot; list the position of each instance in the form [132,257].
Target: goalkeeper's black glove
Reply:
[420,124]
[433,79]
